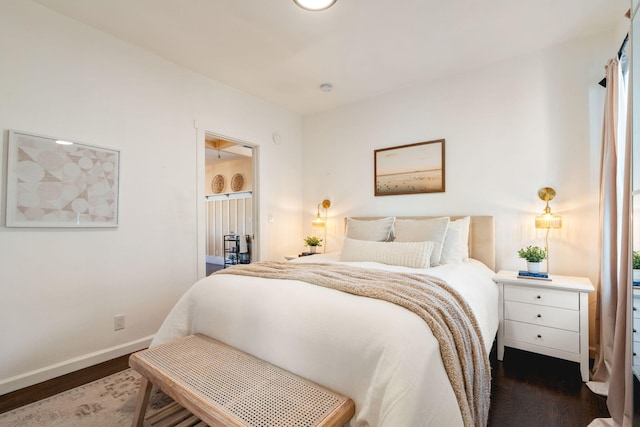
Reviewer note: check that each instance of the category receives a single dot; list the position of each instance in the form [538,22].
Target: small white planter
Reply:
[312,249]
[533,267]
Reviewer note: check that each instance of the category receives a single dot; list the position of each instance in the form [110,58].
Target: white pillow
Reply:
[456,242]
[377,230]
[407,254]
[422,230]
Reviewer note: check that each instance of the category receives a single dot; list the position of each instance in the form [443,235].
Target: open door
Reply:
[228,191]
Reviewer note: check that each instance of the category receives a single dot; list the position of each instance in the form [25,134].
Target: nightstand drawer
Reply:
[549,297]
[544,316]
[636,329]
[636,306]
[543,336]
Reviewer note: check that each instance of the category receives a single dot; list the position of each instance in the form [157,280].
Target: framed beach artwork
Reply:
[410,169]
[53,182]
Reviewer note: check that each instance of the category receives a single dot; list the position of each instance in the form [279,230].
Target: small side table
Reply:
[545,317]
[635,365]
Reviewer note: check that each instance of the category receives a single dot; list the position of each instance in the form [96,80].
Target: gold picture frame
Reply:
[410,169]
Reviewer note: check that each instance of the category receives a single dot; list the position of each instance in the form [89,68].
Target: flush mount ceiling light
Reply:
[314,5]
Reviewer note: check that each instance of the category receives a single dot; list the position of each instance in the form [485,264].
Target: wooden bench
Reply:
[222,386]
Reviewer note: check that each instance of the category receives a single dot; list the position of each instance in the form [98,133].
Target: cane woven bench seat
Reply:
[223,386]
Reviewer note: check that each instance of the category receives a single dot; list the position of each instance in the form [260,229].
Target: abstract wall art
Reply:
[53,182]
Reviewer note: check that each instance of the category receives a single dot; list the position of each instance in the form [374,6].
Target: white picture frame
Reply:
[55,182]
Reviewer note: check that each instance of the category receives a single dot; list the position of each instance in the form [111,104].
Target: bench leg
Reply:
[143,401]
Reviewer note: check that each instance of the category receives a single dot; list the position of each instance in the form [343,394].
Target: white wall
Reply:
[510,129]
[60,288]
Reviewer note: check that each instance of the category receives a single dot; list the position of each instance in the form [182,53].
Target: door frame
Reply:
[201,203]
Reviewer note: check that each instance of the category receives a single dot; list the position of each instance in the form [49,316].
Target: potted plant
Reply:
[636,266]
[534,256]
[312,242]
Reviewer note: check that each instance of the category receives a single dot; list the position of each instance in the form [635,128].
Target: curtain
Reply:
[612,369]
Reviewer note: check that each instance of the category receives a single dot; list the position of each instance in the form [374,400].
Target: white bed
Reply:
[381,355]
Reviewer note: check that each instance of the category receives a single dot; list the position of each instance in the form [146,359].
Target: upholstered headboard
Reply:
[481,235]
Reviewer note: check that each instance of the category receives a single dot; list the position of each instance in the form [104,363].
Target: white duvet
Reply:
[382,356]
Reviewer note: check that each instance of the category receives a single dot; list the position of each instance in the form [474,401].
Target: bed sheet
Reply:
[382,356]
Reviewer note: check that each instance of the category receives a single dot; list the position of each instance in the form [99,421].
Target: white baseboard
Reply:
[27,379]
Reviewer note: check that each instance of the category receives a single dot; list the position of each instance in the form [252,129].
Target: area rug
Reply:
[108,402]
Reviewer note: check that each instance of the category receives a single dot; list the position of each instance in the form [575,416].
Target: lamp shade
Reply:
[548,220]
[318,222]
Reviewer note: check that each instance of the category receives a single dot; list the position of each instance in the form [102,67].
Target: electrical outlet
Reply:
[118,322]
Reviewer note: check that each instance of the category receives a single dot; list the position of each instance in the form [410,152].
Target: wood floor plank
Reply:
[527,390]
[57,385]
[534,390]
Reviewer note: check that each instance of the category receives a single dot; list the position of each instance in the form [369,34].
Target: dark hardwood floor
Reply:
[212,268]
[527,390]
[533,390]
[48,388]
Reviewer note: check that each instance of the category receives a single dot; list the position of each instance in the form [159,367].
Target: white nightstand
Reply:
[545,317]
[636,332]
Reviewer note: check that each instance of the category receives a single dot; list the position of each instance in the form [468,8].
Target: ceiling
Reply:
[219,151]
[281,53]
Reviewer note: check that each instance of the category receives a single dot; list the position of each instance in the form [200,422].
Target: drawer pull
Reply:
[539,336]
[538,297]
[539,316]
[634,308]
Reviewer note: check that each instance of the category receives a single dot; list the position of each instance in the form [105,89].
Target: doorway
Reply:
[230,202]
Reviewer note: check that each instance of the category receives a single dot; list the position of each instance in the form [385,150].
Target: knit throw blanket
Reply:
[440,306]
